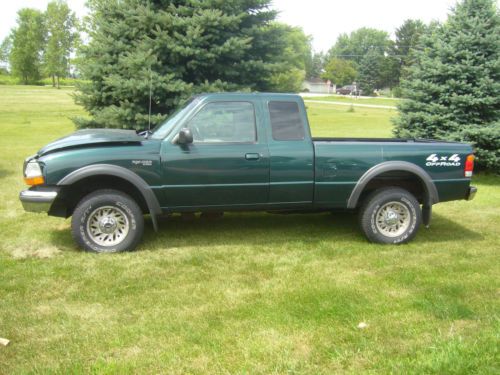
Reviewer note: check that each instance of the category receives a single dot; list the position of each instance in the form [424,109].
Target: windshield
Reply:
[162,130]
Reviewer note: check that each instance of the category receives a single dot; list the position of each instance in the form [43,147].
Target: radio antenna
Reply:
[150,95]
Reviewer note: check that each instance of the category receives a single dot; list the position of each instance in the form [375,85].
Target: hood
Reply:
[92,137]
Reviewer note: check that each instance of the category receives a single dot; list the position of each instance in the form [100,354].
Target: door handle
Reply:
[252,156]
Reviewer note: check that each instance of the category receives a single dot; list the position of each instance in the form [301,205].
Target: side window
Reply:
[286,122]
[224,122]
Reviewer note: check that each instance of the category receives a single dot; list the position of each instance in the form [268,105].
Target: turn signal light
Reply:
[469,165]
[38,180]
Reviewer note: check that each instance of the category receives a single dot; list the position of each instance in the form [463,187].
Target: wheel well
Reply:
[402,179]
[70,195]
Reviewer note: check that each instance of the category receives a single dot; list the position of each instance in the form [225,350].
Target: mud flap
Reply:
[426,215]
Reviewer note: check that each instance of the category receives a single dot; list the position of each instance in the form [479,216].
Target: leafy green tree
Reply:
[340,71]
[180,48]
[28,40]
[453,88]
[289,80]
[371,50]
[5,48]
[356,45]
[296,58]
[61,35]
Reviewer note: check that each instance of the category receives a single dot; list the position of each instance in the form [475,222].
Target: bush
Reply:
[486,142]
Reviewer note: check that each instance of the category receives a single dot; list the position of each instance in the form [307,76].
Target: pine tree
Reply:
[453,89]
[181,48]
[407,39]
[370,72]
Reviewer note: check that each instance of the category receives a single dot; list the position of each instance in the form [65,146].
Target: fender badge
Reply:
[144,163]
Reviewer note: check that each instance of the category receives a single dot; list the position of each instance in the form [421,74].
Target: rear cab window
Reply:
[286,121]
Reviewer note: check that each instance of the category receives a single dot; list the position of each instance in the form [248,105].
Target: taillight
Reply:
[469,165]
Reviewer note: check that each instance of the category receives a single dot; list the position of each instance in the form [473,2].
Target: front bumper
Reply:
[471,193]
[37,200]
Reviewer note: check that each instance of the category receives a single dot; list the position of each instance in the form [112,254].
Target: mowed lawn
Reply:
[249,293]
[361,100]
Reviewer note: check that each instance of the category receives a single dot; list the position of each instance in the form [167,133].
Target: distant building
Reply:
[318,86]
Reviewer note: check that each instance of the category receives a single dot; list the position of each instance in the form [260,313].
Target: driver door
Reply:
[227,165]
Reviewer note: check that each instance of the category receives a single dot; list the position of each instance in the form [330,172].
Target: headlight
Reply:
[33,174]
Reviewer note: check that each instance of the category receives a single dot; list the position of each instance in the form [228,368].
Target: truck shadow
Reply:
[257,229]
[261,229]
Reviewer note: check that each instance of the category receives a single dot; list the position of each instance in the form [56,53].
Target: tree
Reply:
[340,71]
[371,52]
[453,88]
[27,45]
[61,34]
[370,72]
[296,58]
[356,45]
[5,48]
[407,39]
[317,64]
[180,48]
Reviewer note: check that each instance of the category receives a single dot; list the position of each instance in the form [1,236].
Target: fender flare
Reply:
[431,193]
[121,172]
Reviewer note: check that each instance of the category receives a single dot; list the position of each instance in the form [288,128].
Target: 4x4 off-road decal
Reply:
[435,160]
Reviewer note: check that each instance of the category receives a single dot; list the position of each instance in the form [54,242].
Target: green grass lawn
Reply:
[347,99]
[250,293]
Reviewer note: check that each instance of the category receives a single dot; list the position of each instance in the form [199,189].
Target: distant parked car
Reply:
[349,90]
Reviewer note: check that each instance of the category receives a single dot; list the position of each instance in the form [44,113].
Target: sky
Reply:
[324,20]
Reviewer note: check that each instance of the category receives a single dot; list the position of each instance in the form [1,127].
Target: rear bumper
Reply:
[471,193]
[37,200]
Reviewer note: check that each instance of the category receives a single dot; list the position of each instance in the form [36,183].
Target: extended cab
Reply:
[232,151]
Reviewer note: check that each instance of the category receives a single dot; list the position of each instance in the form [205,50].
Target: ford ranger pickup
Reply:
[240,152]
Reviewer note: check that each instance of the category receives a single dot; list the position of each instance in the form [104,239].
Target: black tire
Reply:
[124,213]
[390,205]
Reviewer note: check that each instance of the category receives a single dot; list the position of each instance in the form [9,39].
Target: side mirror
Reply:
[185,137]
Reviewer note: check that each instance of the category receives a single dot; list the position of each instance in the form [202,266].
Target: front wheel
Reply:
[390,216]
[107,221]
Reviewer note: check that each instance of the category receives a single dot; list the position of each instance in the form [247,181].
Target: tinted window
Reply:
[224,122]
[286,122]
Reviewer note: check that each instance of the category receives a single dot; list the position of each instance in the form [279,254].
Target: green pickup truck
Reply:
[240,152]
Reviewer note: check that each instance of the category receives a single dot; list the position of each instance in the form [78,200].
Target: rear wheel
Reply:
[107,221]
[390,215]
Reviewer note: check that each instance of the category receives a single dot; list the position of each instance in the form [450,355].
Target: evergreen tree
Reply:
[60,24]
[180,47]
[453,89]
[317,64]
[370,72]
[407,39]
[28,40]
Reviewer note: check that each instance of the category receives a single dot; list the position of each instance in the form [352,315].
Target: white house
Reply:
[318,86]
